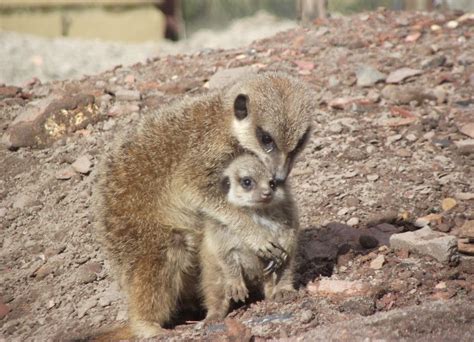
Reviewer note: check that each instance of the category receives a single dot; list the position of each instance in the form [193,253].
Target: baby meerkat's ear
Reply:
[225,185]
[240,106]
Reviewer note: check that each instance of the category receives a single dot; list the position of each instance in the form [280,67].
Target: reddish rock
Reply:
[4,310]
[333,287]
[9,91]
[47,120]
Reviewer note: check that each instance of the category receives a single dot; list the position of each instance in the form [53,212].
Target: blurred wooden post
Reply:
[310,10]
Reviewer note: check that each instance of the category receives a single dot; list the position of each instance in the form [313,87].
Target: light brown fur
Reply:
[229,266]
[158,182]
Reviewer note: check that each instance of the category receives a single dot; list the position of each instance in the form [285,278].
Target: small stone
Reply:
[467,230]
[452,24]
[433,62]
[448,203]
[378,262]
[425,241]
[464,196]
[347,288]
[82,165]
[411,137]
[225,77]
[368,241]
[373,177]
[391,139]
[367,76]
[441,285]
[23,201]
[342,211]
[466,264]
[85,307]
[465,247]
[65,173]
[335,128]
[435,28]
[306,316]
[4,310]
[88,273]
[51,304]
[399,75]
[364,306]
[127,95]
[428,219]
[109,124]
[465,146]
[467,129]
[353,221]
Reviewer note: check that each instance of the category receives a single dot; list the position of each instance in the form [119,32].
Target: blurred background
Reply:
[59,39]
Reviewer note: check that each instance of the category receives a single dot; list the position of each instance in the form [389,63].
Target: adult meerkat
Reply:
[157,184]
[228,263]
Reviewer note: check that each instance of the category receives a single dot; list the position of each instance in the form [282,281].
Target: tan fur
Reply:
[159,181]
[228,263]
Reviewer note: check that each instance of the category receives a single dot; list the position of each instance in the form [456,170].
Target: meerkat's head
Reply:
[272,118]
[248,183]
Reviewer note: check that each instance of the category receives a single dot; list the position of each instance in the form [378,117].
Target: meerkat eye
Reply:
[246,183]
[266,140]
[273,185]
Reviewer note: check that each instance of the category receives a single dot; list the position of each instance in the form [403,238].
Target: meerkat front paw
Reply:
[237,290]
[273,252]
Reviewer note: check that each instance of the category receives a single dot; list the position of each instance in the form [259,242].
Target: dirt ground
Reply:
[390,146]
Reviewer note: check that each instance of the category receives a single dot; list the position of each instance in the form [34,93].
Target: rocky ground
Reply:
[392,152]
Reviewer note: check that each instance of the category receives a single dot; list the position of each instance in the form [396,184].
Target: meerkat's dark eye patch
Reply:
[240,106]
[273,185]
[225,185]
[247,183]
[301,143]
[265,140]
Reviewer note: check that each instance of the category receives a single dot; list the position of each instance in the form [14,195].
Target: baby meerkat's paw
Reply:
[235,289]
[284,295]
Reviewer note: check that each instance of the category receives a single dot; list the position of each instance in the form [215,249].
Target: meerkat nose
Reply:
[266,194]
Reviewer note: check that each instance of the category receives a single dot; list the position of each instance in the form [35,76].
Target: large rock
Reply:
[47,120]
[442,247]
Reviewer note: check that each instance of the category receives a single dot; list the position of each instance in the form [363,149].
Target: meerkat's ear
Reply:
[225,185]
[240,106]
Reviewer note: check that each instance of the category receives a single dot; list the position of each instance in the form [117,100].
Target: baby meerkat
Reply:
[228,263]
[158,183]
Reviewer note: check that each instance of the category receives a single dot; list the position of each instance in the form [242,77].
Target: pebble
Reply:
[467,230]
[467,129]
[23,201]
[82,164]
[448,203]
[465,146]
[465,246]
[367,76]
[401,74]
[368,241]
[342,211]
[464,196]
[306,316]
[425,241]
[66,173]
[391,139]
[452,24]
[353,221]
[4,310]
[109,124]
[127,95]
[378,262]
[347,288]
[372,177]
[434,62]
[335,128]
[411,137]
[85,307]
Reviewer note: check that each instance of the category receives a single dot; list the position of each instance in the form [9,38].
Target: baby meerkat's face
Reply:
[248,183]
